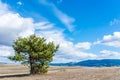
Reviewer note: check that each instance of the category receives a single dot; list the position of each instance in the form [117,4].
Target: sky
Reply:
[84,29]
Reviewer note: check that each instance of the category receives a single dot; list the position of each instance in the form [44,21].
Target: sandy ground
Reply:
[18,72]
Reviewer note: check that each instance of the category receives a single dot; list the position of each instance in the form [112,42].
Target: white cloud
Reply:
[59,59]
[67,51]
[19,3]
[13,25]
[6,51]
[115,36]
[115,22]
[3,8]
[83,45]
[110,40]
[64,18]
[43,25]
[109,54]
[5,59]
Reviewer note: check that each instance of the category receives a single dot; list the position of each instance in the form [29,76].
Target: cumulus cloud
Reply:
[109,54]
[68,50]
[64,18]
[83,45]
[13,25]
[6,51]
[110,40]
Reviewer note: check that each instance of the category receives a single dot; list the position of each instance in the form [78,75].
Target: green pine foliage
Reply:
[34,51]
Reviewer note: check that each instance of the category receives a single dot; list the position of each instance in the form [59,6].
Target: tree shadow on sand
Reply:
[15,75]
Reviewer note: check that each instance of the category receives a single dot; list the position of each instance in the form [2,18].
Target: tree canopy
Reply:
[34,51]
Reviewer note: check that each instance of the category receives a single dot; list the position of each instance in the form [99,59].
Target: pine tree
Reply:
[34,51]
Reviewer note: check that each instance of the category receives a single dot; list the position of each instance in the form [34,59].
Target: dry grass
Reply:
[19,72]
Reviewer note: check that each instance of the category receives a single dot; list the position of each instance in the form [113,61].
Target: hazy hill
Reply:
[92,63]
[3,63]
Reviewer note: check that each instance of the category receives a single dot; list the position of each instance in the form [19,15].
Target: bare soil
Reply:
[20,72]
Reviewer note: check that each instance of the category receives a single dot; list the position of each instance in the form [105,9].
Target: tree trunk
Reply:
[32,67]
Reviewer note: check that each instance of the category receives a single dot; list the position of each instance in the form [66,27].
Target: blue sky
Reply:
[85,29]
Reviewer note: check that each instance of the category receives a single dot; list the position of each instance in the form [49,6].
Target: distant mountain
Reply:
[92,63]
[2,63]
